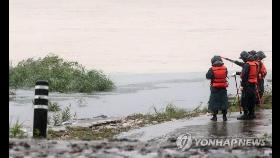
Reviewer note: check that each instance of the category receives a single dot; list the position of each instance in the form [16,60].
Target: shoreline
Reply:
[161,145]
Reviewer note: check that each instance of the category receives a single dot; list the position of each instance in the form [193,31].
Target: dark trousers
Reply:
[261,87]
[248,98]
[215,112]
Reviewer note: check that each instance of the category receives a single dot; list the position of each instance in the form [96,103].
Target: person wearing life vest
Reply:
[218,98]
[239,63]
[249,80]
[262,72]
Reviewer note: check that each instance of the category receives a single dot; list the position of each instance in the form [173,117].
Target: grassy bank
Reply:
[108,131]
[170,112]
[63,76]
[266,102]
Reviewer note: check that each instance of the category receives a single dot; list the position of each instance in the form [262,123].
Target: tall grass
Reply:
[63,76]
[58,116]
[266,104]
[168,113]
[16,130]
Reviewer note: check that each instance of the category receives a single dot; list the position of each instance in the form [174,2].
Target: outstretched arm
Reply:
[239,63]
[234,61]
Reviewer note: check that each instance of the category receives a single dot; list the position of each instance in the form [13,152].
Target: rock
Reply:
[139,122]
[66,123]
[26,145]
[154,122]
[11,144]
[101,116]
[129,147]
[126,125]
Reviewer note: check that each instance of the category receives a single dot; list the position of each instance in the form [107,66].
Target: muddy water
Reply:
[134,93]
[139,36]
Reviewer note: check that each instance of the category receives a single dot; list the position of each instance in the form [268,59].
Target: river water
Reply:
[134,93]
[139,36]
[148,47]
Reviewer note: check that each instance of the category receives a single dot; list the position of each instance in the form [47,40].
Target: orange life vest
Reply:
[253,73]
[262,70]
[220,77]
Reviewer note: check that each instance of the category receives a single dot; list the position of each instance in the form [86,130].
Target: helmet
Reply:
[252,52]
[216,58]
[217,63]
[244,55]
[260,55]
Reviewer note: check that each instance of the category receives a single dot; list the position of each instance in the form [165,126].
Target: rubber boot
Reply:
[214,118]
[224,115]
[251,115]
[244,116]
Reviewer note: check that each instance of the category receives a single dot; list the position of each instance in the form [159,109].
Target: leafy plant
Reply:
[16,130]
[53,107]
[56,117]
[63,76]
[66,114]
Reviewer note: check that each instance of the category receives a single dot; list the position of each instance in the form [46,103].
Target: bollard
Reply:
[40,109]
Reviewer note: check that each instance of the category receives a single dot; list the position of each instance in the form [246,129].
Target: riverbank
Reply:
[159,140]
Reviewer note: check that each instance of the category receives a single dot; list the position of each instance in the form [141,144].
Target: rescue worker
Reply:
[254,57]
[262,72]
[249,80]
[238,62]
[218,97]
[252,52]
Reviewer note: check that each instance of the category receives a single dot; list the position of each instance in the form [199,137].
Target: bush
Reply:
[63,76]
[66,114]
[57,117]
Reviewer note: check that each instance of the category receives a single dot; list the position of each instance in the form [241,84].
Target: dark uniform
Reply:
[260,82]
[248,82]
[218,98]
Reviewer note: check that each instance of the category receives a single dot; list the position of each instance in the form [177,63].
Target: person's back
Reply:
[218,97]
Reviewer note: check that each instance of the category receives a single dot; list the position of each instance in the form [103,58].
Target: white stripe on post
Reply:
[41,87]
[41,97]
[40,107]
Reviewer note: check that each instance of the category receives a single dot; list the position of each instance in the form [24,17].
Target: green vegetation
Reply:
[57,115]
[11,92]
[16,130]
[63,76]
[108,131]
[66,114]
[85,133]
[170,112]
[53,107]
[267,101]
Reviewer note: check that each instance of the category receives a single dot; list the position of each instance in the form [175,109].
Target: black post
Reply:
[40,109]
